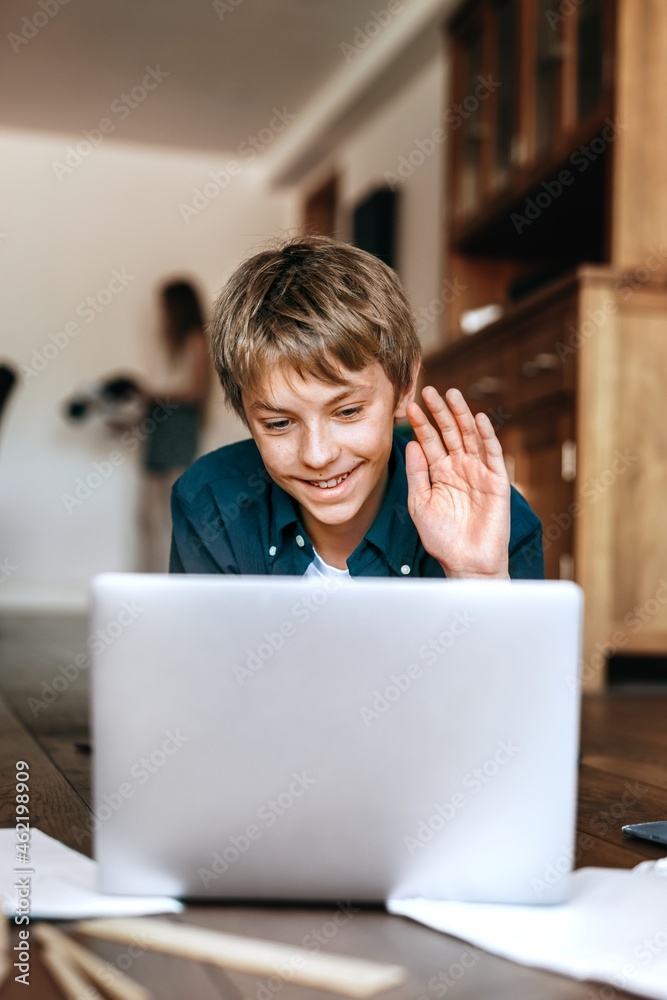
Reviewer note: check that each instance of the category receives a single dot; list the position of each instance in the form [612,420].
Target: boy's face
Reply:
[327,445]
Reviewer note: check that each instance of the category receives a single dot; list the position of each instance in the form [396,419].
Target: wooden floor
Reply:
[623,778]
[36,654]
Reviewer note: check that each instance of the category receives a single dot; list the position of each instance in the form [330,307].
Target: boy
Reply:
[316,350]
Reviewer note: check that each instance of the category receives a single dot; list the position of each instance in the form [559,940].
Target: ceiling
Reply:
[220,68]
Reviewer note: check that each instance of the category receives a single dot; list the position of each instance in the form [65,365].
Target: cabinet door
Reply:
[552,63]
[467,114]
[506,99]
[485,377]
[594,56]
[541,446]
[549,52]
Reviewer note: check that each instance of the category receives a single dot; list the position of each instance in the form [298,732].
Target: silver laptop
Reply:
[287,738]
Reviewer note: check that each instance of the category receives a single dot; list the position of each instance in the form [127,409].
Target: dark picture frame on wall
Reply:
[374,224]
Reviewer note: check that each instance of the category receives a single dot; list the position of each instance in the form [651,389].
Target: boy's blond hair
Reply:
[314,305]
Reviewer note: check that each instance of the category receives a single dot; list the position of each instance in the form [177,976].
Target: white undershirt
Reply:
[318,568]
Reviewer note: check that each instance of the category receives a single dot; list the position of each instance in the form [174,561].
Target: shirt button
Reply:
[272,550]
[405,569]
[299,541]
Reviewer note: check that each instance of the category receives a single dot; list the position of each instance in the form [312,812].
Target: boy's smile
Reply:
[328,446]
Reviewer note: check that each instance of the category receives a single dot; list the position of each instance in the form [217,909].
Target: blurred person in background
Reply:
[182,381]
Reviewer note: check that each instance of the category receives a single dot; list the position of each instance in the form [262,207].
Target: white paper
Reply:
[613,928]
[62,883]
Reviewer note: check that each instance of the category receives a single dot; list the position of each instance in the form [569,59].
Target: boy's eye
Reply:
[276,425]
[284,422]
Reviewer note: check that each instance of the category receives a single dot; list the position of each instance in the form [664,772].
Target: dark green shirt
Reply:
[230,517]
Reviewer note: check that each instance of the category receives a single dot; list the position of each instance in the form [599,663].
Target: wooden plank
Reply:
[40,984]
[355,977]
[639,553]
[644,643]
[631,726]
[70,979]
[622,778]
[167,978]
[639,207]
[40,680]
[74,763]
[55,807]
[593,852]
[115,984]
[5,960]
[651,772]
[596,408]
[433,960]
[436,962]
[608,801]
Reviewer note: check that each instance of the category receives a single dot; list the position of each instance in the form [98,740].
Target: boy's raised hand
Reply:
[458,490]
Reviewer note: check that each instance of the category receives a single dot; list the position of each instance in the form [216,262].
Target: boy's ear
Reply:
[409,395]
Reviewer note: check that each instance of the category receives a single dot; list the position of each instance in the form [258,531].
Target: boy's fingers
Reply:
[492,451]
[427,436]
[449,430]
[416,468]
[463,419]
[455,421]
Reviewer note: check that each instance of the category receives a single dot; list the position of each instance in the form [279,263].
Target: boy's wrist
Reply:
[502,573]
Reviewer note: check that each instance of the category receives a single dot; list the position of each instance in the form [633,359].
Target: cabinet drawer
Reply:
[545,360]
[484,376]
[485,382]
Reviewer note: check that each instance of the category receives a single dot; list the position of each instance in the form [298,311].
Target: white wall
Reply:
[61,239]
[386,147]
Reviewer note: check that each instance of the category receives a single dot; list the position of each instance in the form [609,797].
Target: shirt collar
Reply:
[284,512]
[392,532]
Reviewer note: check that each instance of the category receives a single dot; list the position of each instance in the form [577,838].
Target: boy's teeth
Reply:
[326,484]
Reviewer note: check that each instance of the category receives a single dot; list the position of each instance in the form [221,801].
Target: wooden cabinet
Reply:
[531,83]
[531,145]
[557,214]
[585,441]
[545,462]
[621,546]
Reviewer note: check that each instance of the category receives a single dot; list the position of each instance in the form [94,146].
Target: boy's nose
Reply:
[318,449]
